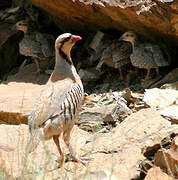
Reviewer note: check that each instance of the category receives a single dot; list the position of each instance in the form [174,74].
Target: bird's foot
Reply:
[82,159]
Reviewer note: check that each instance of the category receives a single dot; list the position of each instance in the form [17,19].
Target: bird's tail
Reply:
[34,140]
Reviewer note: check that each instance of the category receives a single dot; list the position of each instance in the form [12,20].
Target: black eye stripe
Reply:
[66,39]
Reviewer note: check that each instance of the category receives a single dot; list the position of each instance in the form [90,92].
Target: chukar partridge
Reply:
[145,55]
[35,44]
[116,55]
[57,108]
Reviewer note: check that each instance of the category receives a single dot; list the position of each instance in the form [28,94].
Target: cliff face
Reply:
[151,18]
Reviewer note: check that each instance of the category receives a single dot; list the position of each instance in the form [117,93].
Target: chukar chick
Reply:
[145,55]
[35,44]
[116,55]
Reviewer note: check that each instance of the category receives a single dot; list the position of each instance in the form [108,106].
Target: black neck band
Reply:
[62,53]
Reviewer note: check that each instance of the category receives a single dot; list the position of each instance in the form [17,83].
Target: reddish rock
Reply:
[168,159]
[16,101]
[156,173]
[123,148]
[119,152]
[160,98]
[152,19]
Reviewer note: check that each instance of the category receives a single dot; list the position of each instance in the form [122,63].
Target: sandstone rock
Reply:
[159,98]
[168,159]
[170,113]
[123,148]
[96,175]
[119,151]
[170,86]
[16,101]
[156,173]
[118,15]
[169,78]
[93,119]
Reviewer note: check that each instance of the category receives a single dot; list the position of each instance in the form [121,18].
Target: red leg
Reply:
[121,75]
[61,158]
[75,157]
[148,73]
[37,64]
[157,71]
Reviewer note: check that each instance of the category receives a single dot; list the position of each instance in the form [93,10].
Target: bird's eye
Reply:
[66,39]
[20,24]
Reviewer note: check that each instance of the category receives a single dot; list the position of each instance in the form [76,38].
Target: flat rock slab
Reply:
[160,98]
[168,159]
[156,173]
[16,101]
[121,150]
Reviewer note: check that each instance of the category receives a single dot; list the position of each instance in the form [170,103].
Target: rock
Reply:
[122,150]
[104,109]
[26,74]
[6,32]
[155,173]
[168,159]
[117,15]
[96,40]
[160,98]
[170,86]
[169,78]
[91,74]
[94,118]
[16,101]
[96,175]
[149,82]
[170,113]
[11,15]
[8,39]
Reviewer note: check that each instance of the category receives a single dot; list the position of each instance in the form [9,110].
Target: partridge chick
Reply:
[145,55]
[58,106]
[35,44]
[116,55]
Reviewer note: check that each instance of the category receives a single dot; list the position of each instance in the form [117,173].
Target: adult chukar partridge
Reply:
[57,108]
[146,55]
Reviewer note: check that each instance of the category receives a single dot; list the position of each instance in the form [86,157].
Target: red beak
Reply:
[76,38]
